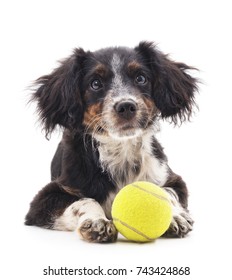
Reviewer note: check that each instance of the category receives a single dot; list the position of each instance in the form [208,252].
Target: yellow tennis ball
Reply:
[141,211]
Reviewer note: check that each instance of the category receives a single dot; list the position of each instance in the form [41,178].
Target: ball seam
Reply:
[133,229]
[152,193]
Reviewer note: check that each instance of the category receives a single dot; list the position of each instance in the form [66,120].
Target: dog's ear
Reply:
[173,88]
[58,94]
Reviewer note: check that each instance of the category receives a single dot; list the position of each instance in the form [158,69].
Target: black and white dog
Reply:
[109,103]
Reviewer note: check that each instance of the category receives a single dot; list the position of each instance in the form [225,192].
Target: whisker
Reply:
[93,128]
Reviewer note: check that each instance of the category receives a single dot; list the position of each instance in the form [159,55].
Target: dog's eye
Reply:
[141,79]
[96,84]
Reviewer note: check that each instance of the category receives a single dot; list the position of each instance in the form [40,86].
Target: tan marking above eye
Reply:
[134,66]
[100,70]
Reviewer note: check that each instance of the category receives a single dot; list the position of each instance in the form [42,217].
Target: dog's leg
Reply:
[58,207]
[181,223]
[87,216]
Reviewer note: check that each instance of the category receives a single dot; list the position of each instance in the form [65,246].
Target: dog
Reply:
[109,104]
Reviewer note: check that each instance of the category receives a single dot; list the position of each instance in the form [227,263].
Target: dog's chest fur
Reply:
[130,160]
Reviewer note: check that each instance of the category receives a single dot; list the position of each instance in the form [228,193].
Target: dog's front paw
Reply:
[180,226]
[98,231]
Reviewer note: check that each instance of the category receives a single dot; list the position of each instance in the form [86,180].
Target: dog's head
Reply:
[119,92]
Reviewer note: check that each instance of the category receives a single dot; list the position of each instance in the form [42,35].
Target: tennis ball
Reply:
[141,211]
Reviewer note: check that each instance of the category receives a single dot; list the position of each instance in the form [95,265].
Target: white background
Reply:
[34,35]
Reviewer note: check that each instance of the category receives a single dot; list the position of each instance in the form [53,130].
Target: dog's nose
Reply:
[126,109]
